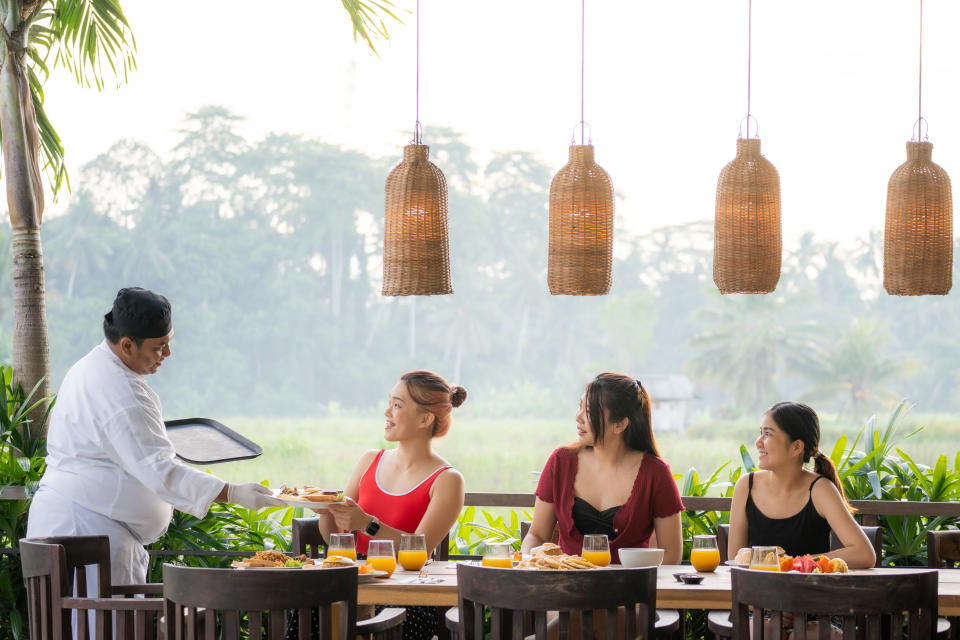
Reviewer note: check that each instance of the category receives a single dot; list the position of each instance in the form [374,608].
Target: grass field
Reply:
[503,454]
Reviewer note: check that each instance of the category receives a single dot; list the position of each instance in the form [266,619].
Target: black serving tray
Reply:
[206,441]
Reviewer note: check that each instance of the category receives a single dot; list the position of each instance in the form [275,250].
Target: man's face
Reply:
[146,358]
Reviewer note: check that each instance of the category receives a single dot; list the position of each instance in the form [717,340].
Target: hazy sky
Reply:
[834,89]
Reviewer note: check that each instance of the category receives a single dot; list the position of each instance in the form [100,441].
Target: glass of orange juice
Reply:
[596,549]
[765,559]
[705,555]
[380,555]
[342,544]
[497,554]
[413,551]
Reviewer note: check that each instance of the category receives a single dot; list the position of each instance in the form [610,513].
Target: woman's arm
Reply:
[857,550]
[541,529]
[738,518]
[669,535]
[326,520]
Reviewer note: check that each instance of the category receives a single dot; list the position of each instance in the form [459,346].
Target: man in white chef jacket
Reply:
[111,470]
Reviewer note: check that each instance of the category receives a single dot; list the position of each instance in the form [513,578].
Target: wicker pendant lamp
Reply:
[416,246]
[918,235]
[747,245]
[580,256]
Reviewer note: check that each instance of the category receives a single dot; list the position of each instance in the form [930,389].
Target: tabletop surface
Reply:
[403,588]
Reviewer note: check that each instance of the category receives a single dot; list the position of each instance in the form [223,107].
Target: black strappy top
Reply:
[802,533]
[588,519]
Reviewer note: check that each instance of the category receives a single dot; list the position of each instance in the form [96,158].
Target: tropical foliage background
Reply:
[270,249]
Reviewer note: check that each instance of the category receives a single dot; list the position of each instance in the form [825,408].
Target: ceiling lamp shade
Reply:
[747,245]
[580,258]
[918,235]
[416,246]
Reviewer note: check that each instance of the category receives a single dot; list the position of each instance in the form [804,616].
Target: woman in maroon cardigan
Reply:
[612,480]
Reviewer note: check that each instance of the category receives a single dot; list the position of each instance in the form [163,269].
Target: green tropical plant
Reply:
[468,535]
[22,462]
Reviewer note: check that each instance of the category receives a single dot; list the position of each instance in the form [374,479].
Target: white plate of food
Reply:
[308,497]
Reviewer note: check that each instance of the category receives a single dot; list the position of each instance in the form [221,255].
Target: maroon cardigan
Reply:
[654,495]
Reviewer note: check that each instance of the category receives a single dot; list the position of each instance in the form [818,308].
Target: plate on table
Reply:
[734,563]
[369,577]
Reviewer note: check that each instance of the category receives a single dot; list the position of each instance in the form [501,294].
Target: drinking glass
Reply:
[765,559]
[705,555]
[413,551]
[596,549]
[380,555]
[497,554]
[342,544]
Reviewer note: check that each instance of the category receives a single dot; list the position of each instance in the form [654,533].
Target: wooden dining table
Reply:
[404,588]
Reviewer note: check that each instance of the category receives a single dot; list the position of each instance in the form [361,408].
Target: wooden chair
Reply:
[874,535]
[943,550]
[53,566]
[217,601]
[306,538]
[865,603]
[510,595]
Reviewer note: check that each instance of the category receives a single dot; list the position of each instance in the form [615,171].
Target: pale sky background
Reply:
[834,90]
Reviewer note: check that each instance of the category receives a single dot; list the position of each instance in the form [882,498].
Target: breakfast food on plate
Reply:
[817,564]
[271,558]
[743,555]
[312,494]
[556,562]
[337,561]
[366,568]
[547,549]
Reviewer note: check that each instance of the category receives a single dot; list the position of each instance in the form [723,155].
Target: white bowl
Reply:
[640,557]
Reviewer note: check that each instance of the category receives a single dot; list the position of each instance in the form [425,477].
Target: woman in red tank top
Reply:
[408,489]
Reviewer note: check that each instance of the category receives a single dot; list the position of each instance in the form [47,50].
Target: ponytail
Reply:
[823,465]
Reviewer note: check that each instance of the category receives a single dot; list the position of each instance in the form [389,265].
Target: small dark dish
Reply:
[688,578]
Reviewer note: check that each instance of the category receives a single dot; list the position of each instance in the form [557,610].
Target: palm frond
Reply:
[85,34]
[368,21]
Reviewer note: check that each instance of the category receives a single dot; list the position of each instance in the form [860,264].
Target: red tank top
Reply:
[402,511]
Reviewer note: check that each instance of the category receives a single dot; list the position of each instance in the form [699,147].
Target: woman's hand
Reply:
[348,515]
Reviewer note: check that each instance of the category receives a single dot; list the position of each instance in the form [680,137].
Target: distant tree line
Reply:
[270,253]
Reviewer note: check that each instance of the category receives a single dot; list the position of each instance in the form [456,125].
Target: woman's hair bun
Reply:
[457,395]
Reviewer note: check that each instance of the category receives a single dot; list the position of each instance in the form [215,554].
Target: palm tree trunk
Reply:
[18,127]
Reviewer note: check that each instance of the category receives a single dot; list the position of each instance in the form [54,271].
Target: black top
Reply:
[588,519]
[802,533]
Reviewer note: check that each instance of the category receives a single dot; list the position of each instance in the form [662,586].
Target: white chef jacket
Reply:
[108,451]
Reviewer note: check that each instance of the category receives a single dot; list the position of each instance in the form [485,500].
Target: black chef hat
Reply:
[140,314]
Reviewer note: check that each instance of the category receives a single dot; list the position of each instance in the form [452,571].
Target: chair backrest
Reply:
[874,535]
[305,538]
[55,572]
[943,548]
[878,601]
[52,568]
[513,595]
[241,597]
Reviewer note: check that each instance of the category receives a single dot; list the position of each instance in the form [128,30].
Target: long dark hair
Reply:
[622,397]
[800,422]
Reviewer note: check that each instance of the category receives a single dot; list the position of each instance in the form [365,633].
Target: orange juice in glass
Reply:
[705,555]
[497,554]
[765,559]
[596,549]
[342,544]
[380,555]
[413,551]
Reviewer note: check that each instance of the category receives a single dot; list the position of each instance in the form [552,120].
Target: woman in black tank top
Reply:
[784,504]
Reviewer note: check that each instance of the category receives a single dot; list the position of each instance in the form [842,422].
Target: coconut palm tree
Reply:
[83,37]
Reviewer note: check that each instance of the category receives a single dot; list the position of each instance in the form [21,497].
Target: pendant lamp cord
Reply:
[749,57]
[583,15]
[920,80]
[417,128]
